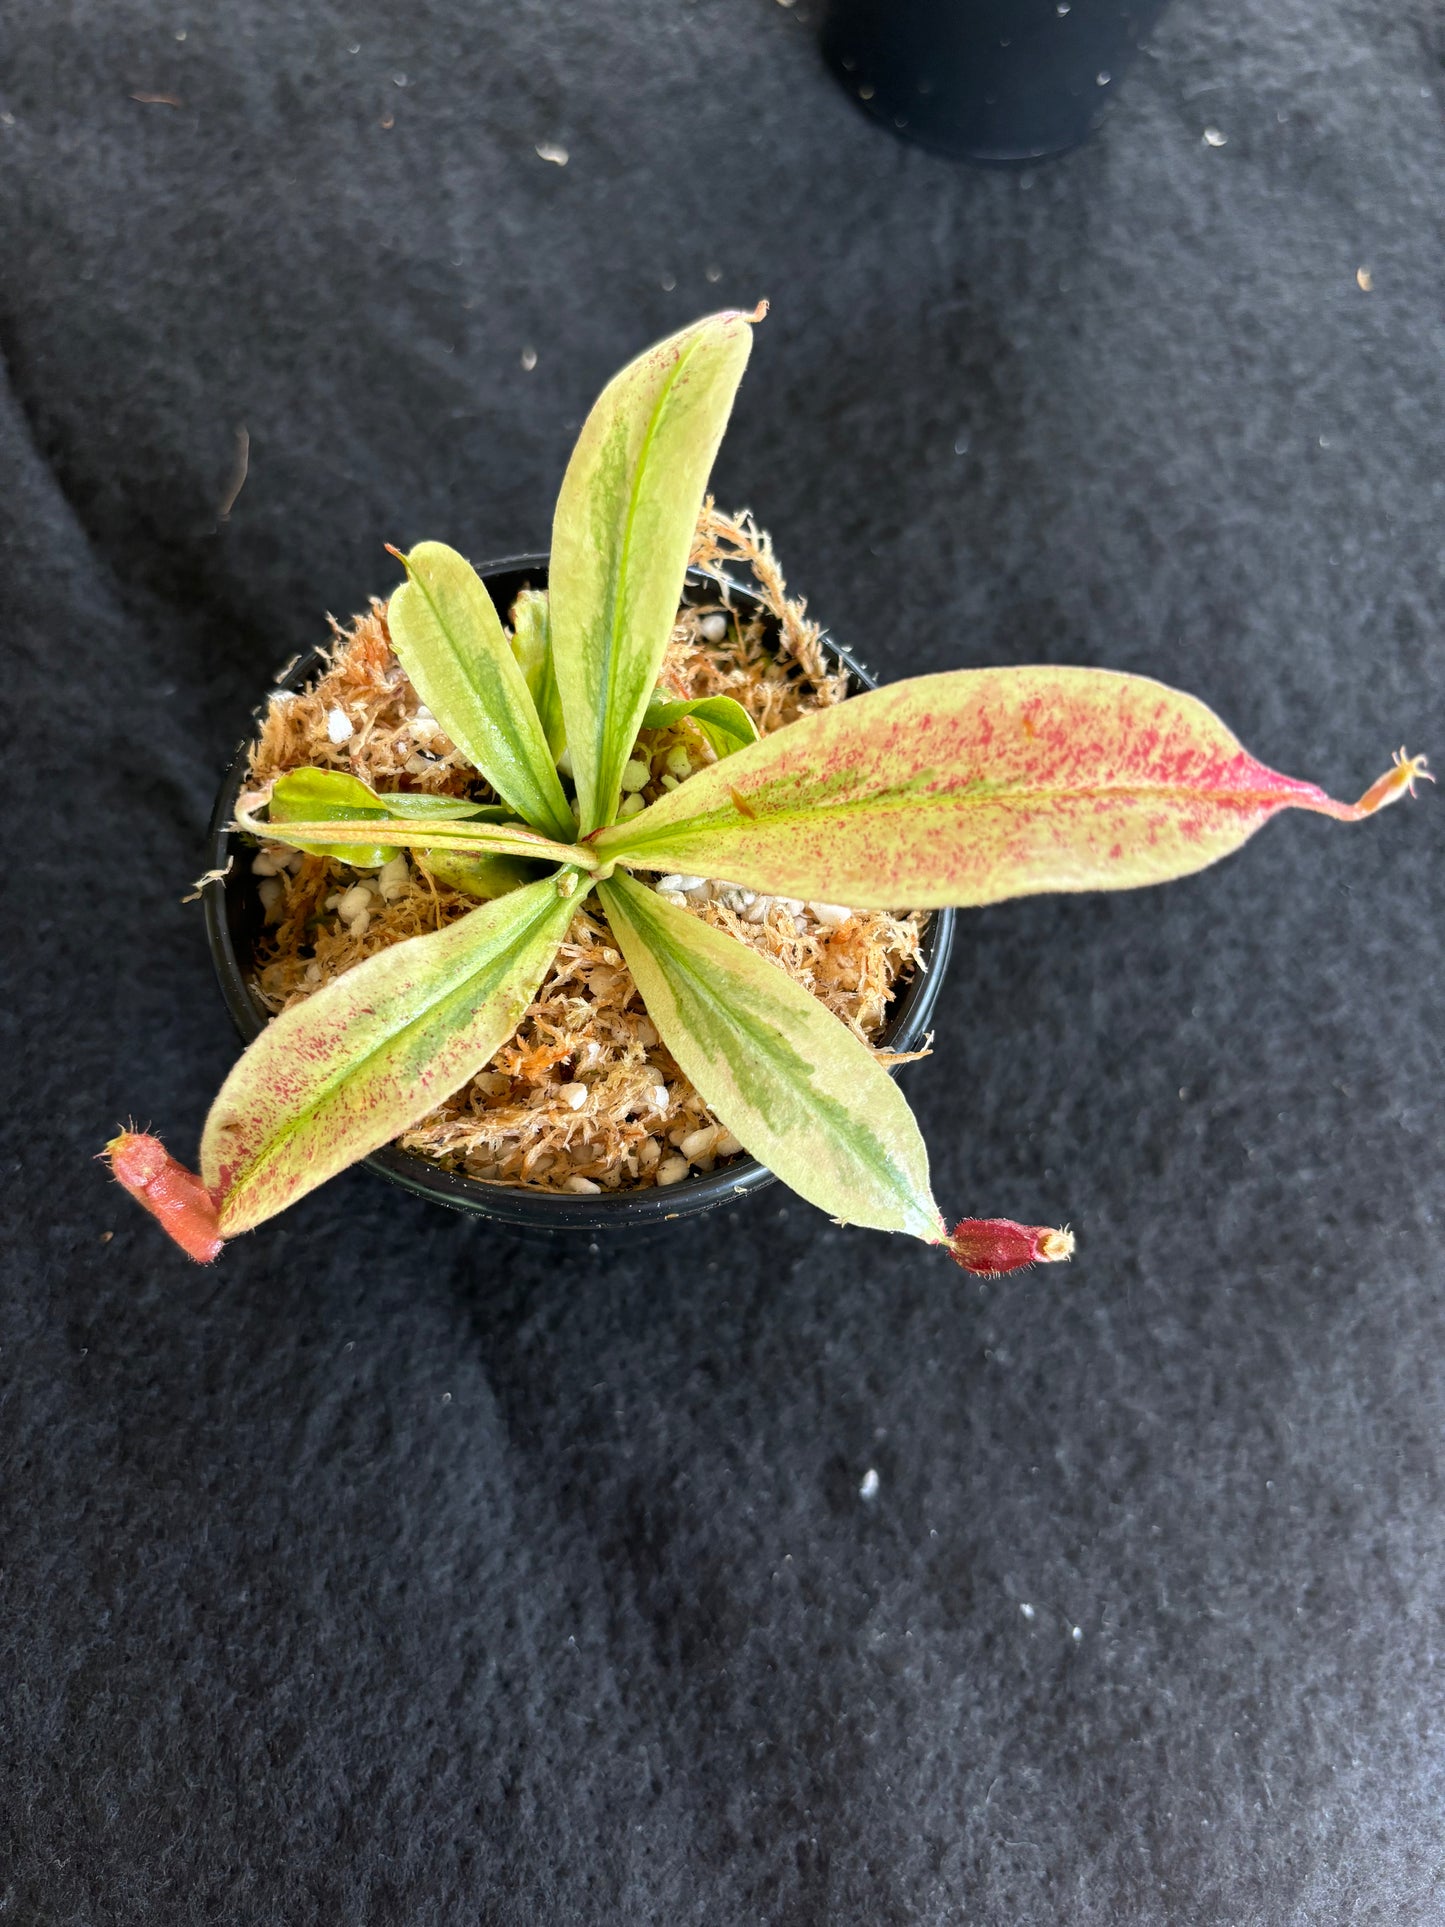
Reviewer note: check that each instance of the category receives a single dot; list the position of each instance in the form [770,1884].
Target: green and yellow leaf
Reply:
[976,785]
[334,1078]
[785,1076]
[449,639]
[620,541]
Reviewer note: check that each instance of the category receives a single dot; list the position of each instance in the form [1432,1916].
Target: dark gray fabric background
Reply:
[396,1571]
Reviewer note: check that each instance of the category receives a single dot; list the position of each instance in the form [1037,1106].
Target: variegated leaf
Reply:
[335,1077]
[975,785]
[449,639]
[785,1076]
[621,536]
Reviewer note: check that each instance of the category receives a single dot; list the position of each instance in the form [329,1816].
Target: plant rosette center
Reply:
[585,1098]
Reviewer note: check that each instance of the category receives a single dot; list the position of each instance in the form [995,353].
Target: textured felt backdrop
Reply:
[398,1572]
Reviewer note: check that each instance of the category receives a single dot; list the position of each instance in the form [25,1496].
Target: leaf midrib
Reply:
[912,803]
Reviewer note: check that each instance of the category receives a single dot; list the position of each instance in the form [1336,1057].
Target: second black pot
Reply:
[234,924]
[987,80]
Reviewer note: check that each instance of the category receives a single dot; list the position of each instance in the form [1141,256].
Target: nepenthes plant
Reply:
[961,788]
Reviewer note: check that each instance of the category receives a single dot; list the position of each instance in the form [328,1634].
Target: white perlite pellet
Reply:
[574,1096]
[393,879]
[636,775]
[672,1170]
[354,903]
[338,726]
[698,1144]
[580,1184]
[273,896]
[713,628]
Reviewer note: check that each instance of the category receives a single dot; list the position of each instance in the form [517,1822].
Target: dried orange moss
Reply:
[585,1096]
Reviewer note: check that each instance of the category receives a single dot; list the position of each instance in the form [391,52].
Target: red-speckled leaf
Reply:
[786,1076]
[976,785]
[339,1075]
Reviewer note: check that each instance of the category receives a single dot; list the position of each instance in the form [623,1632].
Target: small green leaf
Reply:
[621,537]
[337,836]
[532,646]
[321,795]
[786,1077]
[449,639]
[479,876]
[725,723]
[335,1077]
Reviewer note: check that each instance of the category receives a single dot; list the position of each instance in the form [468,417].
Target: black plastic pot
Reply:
[986,80]
[234,923]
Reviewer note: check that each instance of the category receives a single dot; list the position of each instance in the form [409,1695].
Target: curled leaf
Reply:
[322,795]
[724,722]
[475,834]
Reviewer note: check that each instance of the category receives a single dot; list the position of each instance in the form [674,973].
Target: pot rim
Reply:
[546,1211]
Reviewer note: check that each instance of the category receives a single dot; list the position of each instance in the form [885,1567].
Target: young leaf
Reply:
[975,785]
[478,876]
[335,1077]
[621,536]
[321,795]
[532,646]
[449,639]
[786,1077]
[335,836]
[725,723]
